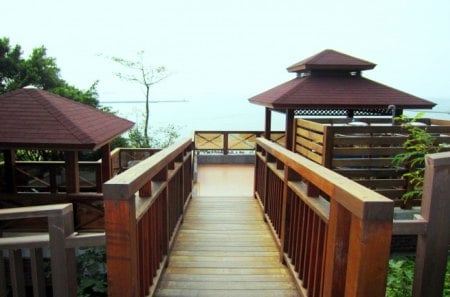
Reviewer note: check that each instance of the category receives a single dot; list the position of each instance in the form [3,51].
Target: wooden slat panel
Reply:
[309,154]
[369,141]
[373,172]
[368,151]
[310,135]
[382,183]
[310,125]
[309,144]
[362,162]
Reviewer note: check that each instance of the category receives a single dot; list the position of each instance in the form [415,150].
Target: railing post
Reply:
[432,247]
[225,143]
[10,170]
[63,264]
[121,247]
[336,253]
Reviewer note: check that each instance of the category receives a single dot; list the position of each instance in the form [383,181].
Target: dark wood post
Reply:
[432,247]
[289,129]
[106,162]
[268,124]
[72,172]
[10,170]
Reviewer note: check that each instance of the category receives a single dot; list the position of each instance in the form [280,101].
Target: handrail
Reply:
[60,225]
[144,208]
[333,233]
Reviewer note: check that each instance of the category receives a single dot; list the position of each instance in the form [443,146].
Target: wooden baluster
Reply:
[16,273]
[37,272]
[2,275]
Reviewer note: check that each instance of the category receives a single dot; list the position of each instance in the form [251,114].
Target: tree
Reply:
[146,77]
[40,71]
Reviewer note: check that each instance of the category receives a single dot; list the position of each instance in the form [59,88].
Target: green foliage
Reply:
[159,138]
[91,268]
[37,70]
[88,97]
[400,277]
[418,144]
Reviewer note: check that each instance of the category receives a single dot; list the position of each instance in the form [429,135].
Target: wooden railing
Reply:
[61,242]
[231,141]
[49,176]
[124,158]
[363,153]
[144,207]
[432,228]
[333,233]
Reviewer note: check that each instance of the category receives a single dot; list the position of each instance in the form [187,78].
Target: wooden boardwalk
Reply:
[224,248]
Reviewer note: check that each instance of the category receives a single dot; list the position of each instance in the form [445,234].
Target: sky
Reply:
[234,49]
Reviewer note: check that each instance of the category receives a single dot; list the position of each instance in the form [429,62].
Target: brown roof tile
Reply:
[335,87]
[336,92]
[331,59]
[32,118]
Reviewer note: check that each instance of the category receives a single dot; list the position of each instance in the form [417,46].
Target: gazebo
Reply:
[330,83]
[36,119]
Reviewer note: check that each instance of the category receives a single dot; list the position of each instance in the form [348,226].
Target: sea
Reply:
[221,115]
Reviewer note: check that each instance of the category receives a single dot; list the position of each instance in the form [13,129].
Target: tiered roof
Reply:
[33,118]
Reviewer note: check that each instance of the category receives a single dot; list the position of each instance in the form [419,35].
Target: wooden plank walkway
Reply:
[224,248]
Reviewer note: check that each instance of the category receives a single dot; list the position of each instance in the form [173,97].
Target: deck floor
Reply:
[224,248]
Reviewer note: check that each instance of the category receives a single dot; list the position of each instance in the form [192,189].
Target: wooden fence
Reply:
[144,207]
[363,153]
[333,233]
[61,242]
[231,141]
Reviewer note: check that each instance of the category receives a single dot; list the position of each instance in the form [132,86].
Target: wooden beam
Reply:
[72,172]
[289,129]
[106,162]
[268,123]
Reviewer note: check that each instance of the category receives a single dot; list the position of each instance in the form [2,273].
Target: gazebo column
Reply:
[289,129]
[268,123]
[106,162]
[72,172]
[10,170]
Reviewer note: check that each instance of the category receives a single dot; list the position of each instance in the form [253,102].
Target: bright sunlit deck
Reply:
[224,248]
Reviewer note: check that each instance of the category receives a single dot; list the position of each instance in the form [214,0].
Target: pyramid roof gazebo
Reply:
[36,119]
[330,83]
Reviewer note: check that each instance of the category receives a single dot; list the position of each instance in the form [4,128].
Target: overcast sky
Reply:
[234,49]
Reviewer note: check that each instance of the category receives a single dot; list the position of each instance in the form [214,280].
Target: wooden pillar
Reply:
[10,170]
[432,247]
[106,162]
[268,124]
[72,172]
[289,129]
